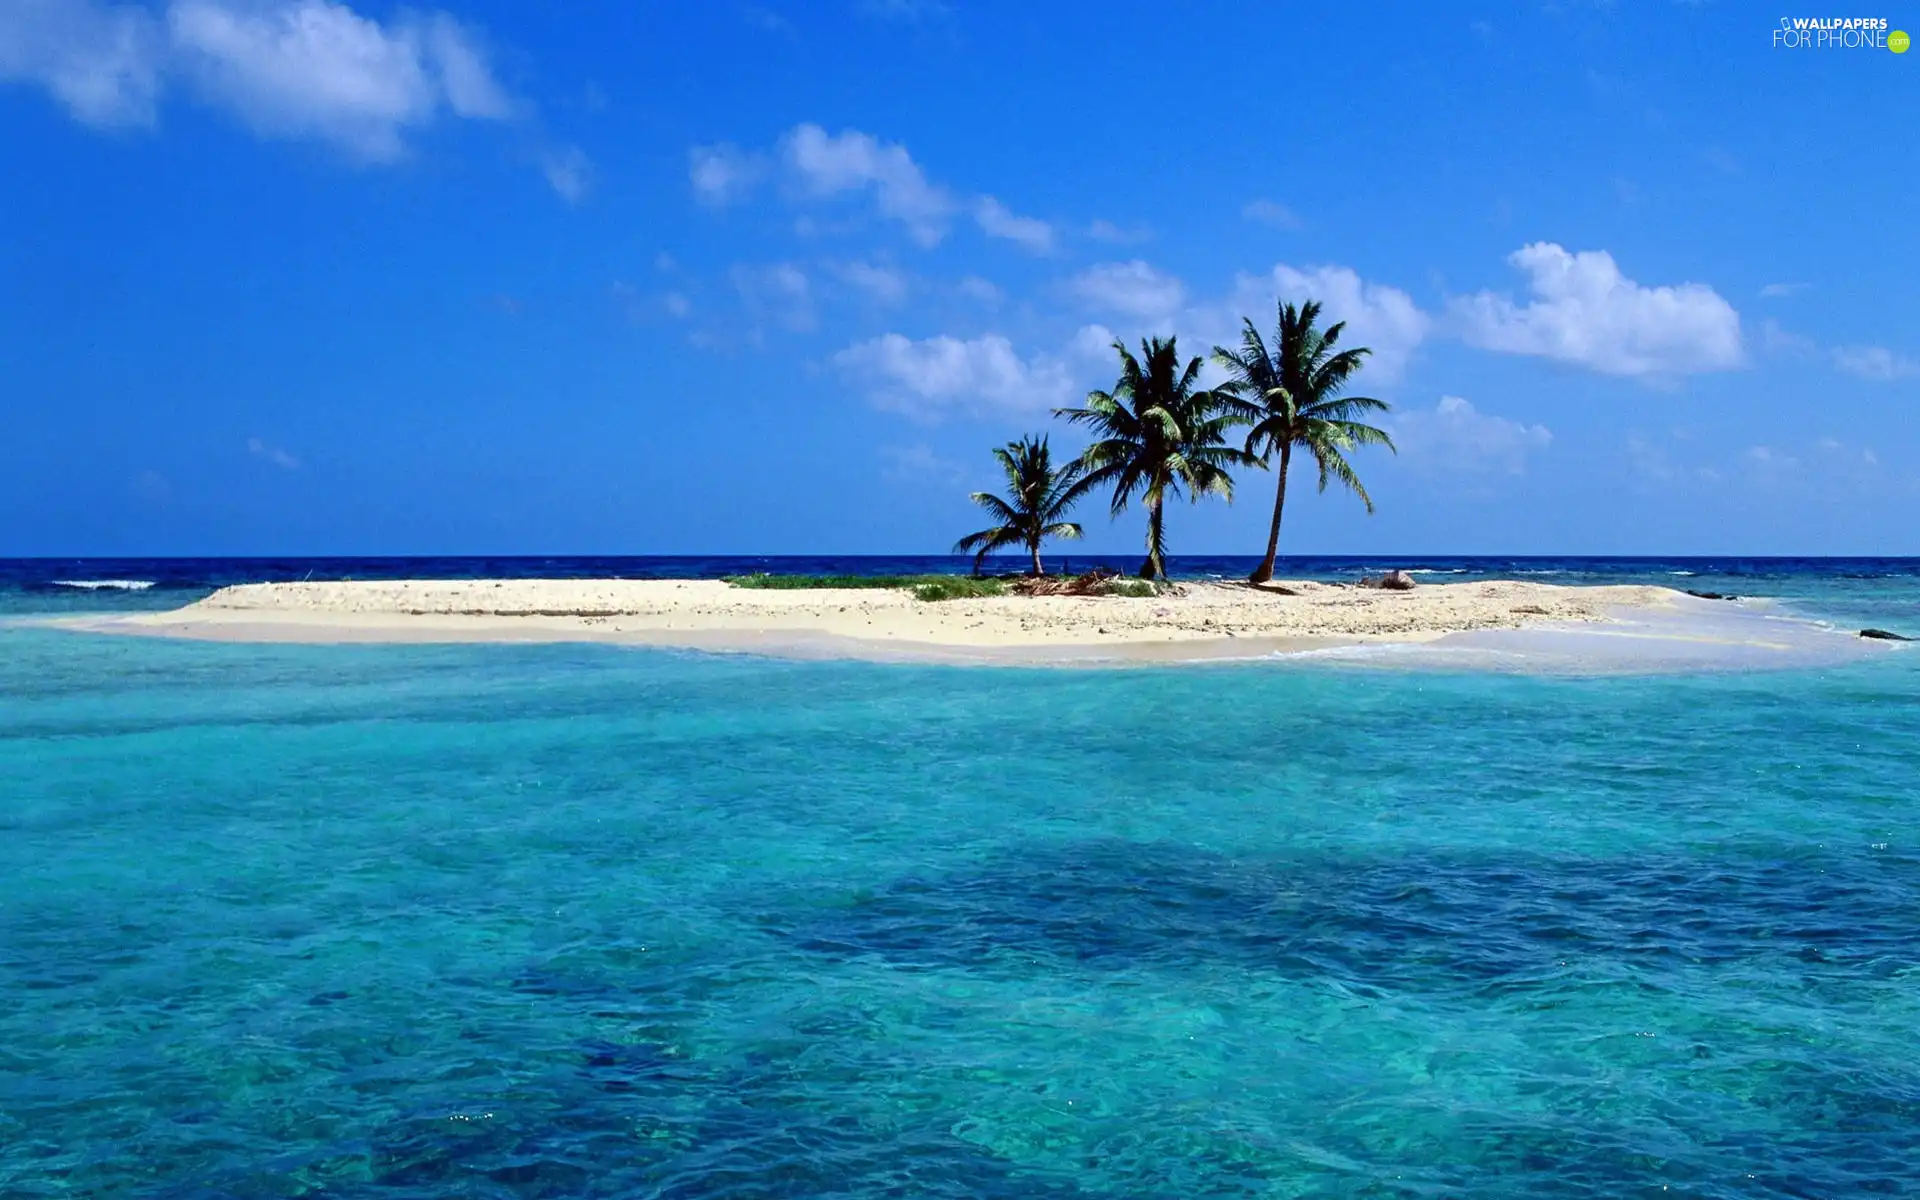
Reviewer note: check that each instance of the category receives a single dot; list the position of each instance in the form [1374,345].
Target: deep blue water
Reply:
[544,921]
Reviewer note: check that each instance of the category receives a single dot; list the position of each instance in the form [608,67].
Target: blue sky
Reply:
[294,276]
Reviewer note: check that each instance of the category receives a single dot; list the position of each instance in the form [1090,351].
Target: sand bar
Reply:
[1194,622]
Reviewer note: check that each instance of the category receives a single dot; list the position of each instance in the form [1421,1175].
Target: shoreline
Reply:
[1481,623]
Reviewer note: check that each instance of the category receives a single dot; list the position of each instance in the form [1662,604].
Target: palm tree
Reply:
[1159,432]
[1296,388]
[1037,497]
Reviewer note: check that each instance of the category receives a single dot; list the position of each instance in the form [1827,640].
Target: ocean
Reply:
[596,921]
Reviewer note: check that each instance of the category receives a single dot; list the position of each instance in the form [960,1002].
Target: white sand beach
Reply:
[1193,621]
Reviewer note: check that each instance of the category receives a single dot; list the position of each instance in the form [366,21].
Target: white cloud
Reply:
[1267,212]
[975,288]
[1825,467]
[1775,338]
[286,68]
[273,454]
[1093,345]
[312,68]
[1453,436]
[815,165]
[780,293]
[1768,459]
[1134,289]
[722,174]
[1876,363]
[996,220]
[568,172]
[1586,312]
[104,64]
[828,164]
[884,284]
[1107,231]
[1383,319]
[677,305]
[944,376]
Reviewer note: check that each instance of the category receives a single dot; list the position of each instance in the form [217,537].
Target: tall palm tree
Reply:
[1159,433]
[1297,387]
[1037,497]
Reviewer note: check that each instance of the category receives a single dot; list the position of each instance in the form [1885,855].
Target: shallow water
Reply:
[588,921]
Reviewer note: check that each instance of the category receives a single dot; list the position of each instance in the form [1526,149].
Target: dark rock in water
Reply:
[1712,595]
[1883,636]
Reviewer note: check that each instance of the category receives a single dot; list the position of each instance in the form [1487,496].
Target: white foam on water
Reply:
[118,585]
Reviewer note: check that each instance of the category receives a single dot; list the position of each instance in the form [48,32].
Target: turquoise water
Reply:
[588,921]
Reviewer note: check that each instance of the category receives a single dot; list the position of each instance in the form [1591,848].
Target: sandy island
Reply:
[1193,622]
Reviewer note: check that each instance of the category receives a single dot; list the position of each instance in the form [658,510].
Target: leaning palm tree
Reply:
[1159,433]
[1298,388]
[1037,497]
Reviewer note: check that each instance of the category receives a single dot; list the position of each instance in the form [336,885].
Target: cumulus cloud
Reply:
[1092,345]
[285,68]
[997,220]
[1586,312]
[722,174]
[883,284]
[1776,338]
[937,377]
[1134,289]
[982,291]
[1453,436]
[104,64]
[1384,319]
[830,164]
[568,172]
[1106,231]
[1876,363]
[815,165]
[1267,212]
[1766,458]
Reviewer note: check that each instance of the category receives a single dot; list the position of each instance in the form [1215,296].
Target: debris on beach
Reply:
[1392,581]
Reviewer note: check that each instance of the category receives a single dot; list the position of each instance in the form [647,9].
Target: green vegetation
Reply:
[956,587]
[925,587]
[1158,434]
[1293,397]
[1038,497]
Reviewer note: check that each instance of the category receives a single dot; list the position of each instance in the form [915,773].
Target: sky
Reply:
[315,277]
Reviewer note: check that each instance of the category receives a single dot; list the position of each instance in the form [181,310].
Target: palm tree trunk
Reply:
[1038,570]
[1264,571]
[1155,567]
